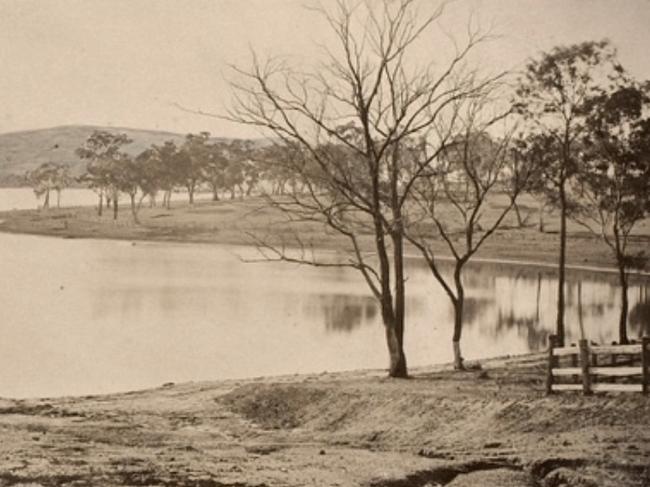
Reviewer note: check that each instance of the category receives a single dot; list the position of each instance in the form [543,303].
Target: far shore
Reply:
[231,222]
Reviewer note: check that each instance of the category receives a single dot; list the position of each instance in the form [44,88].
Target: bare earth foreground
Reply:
[493,427]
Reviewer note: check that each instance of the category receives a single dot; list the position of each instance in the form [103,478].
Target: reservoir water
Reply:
[93,316]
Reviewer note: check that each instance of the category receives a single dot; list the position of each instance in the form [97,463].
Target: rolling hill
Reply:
[23,151]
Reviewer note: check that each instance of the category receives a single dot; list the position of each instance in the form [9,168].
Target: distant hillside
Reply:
[23,151]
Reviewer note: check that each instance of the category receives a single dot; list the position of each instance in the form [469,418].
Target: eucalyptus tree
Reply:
[350,116]
[49,177]
[166,157]
[150,175]
[191,160]
[552,96]
[214,169]
[128,176]
[103,151]
[614,183]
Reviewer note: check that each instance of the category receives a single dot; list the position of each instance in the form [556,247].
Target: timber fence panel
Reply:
[586,371]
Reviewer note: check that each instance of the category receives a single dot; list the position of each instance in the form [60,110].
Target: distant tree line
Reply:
[227,168]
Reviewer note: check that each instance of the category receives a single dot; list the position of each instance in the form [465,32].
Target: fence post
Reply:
[594,363]
[552,362]
[584,364]
[574,357]
[645,363]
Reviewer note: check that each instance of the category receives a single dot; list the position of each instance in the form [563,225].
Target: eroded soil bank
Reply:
[492,427]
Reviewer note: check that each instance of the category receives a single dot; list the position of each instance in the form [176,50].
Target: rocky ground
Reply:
[489,427]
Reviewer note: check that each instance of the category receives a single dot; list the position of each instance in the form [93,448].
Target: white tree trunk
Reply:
[458,357]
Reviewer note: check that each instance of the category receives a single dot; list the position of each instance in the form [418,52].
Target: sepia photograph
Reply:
[330,243]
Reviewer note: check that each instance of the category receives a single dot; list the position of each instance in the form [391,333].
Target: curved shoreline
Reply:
[604,268]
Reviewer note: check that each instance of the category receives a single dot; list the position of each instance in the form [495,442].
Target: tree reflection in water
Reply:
[639,317]
[519,302]
[503,303]
[344,312]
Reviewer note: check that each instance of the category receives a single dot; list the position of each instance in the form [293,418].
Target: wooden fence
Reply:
[599,367]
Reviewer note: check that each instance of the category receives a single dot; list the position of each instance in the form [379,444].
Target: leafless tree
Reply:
[452,201]
[344,125]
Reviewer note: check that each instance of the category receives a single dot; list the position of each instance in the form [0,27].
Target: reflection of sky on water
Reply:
[86,316]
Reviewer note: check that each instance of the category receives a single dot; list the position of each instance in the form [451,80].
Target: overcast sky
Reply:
[129,63]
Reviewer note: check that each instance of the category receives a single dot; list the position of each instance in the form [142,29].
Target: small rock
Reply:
[322,452]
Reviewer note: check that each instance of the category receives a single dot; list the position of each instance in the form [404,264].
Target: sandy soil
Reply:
[490,427]
[228,222]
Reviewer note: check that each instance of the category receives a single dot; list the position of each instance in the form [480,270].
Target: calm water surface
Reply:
[91,316]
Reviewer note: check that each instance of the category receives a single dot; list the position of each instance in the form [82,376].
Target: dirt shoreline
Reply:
[489,427]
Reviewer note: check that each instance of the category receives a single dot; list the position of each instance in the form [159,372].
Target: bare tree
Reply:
[346,122]
[452,199]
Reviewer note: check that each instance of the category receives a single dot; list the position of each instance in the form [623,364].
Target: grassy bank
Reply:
[229,222]
[485,428]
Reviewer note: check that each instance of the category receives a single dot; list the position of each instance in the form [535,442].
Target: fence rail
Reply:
[589,364]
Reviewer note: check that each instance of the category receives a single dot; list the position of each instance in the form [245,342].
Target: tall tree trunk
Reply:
[397,237]
[397,359]
[190,192]
[539,295]
[100,206]
[58,198]
[215,194]
[134,210]
[559,326]
[115,206]
[622,321]
[459,304]
[541,209]
[46,201]
[400,294]
[520,221]
[580,318]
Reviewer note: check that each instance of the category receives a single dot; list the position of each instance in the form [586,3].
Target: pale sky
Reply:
[127,63]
